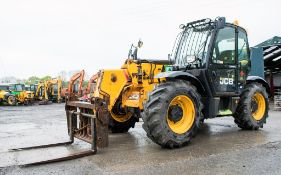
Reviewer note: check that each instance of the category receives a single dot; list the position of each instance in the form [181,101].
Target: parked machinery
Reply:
[54,89]
[75,90]
[31,87]
[23,96]
[40,91]
[49,91]
[208,75]
[6,97]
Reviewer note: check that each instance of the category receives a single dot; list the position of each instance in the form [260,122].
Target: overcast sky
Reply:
[45,37]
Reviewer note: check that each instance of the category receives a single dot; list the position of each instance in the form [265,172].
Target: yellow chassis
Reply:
[130,85]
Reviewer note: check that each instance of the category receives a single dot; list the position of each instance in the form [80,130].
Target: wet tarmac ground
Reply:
[219,148]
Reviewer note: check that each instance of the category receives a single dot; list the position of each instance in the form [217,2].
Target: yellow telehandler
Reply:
[209,74]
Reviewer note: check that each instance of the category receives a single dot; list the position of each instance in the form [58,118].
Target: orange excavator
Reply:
[90,88]
[74,91]
[92,83]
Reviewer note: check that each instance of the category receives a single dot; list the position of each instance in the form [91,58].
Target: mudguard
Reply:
[7,95]
[259,80]
[182,75]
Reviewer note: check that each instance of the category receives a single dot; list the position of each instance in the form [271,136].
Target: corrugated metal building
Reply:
[271,51]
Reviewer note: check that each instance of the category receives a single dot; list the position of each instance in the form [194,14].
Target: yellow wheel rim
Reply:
[121,118]
[260,105]
[188,114]
[10,100]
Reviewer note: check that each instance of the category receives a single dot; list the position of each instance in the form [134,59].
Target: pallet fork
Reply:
[85,121]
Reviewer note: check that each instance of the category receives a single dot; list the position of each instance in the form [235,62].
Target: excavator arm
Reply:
[75,77]
[40,87]
[92,80]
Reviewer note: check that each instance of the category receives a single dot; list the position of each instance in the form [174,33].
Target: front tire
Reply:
[121,127]
[252,109]
[173,113]
[121,120]
[11,100]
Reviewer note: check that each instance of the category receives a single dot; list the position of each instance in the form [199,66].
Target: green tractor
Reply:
[23,96]
[6,97]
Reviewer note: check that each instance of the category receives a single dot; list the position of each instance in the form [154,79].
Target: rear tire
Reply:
[252,109]
[175,132]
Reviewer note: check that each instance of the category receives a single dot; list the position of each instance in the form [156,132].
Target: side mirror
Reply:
[221,22]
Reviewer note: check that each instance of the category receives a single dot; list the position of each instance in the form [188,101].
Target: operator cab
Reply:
[217,54]
[210,78]
[17,87]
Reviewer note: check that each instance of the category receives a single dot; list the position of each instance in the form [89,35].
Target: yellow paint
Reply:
[121,118]
[37,94]
[260,100]
[47,87]
[105,85]
[25,96]
[127,83]
[2,94]
[188,117]
[124,84]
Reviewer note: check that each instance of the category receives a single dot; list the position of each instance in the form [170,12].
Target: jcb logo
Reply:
[226,81]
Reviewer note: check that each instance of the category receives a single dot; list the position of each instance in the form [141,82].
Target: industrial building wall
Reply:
[276,80]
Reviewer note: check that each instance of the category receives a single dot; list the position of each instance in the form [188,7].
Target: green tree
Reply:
[48,77]
[32,80]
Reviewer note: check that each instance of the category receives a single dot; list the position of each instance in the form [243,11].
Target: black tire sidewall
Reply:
[260,90]
[121,127]
[243,115]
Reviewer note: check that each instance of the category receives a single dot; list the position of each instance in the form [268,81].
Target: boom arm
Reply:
[92,79]
[73,79]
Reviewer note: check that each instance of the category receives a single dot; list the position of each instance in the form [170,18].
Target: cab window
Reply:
[224,47]
[243,54]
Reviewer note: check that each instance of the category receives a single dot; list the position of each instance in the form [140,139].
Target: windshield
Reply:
[19,87]
[192,45]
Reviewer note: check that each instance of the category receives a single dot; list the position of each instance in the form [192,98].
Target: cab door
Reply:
[243,56]
[223,67]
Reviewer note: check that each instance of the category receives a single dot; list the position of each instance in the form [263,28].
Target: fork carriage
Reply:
[88,122]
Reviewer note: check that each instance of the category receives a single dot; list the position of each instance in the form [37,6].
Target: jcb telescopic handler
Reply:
[209,74]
